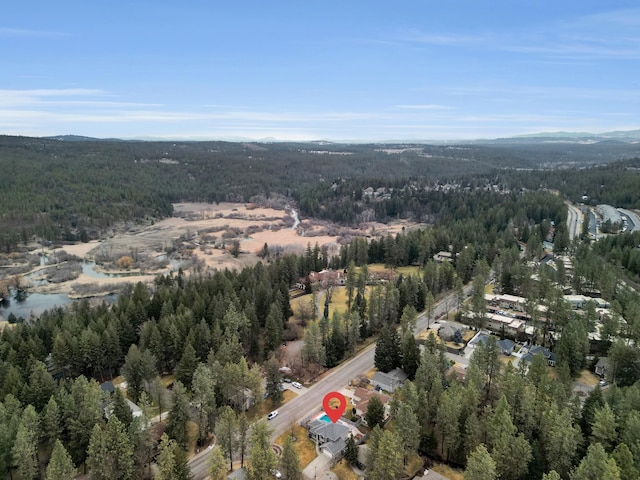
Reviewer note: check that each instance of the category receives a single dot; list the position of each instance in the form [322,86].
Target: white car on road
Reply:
[272,415]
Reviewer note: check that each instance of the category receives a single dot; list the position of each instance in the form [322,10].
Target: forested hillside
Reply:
[73,190]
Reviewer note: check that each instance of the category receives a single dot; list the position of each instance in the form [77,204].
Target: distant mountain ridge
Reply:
[627,136]
[617,136]
[74,138]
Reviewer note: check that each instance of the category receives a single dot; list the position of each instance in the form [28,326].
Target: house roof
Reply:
[330,431]
[537,349]
[135,409]
[460,371]
[363,451]
[108,387]
[506,344]
[398,374]
[603,362]
[334,447]
[383,378]
[392,379]
[365,396]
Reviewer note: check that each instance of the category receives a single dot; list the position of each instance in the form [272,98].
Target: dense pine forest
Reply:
[74,190]
[216,335]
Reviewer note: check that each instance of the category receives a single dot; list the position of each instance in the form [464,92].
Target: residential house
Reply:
[243,398]
[362,396]
[108,388]
[538,350]
[602,366]
[389,381]
[577,301]
[136,411]
[511,302]
[503,324]
[330,437]
[443,256]
[330,277]
[457,371]
[506,346]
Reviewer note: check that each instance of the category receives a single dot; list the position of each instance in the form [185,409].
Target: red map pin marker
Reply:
[334,413]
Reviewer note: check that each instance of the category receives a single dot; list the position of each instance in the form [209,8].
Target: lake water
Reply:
[27,304]
[32,304]
[35,303]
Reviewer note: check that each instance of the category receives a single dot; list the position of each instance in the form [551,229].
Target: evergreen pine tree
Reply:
[121,409]
[375,412]
[60,466]
[289,461]
[179,416]
[387,354]
[351,451]
[217,464]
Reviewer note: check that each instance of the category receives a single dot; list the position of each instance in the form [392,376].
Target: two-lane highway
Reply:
[574,220]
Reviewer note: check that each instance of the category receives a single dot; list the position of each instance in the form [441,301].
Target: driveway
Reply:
[318,465]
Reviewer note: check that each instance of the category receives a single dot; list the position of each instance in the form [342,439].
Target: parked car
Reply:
[286,380]
[272,415]
[276,473]
[296,384]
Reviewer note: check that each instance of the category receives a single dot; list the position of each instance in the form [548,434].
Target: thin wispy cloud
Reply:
[440,38]
[610,35]
[613,18]
[606,35]
[424,107]
[23,32]
[581,50]
[35,96]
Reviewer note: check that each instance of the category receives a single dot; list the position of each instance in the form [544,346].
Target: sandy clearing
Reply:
[284,237]
[99,286]
[205,231]
[209,210]
[80,249]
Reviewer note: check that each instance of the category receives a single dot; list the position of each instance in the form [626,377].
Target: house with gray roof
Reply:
[330,437]
[506,346]
[549,356]
[602,366]
[389,381]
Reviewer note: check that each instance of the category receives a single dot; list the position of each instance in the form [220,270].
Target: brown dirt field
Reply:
[198,231]
[588,378]
[194,222]
[304,445]
[344,472]
[447,471]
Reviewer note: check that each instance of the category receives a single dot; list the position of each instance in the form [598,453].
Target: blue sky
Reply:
[348,70]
